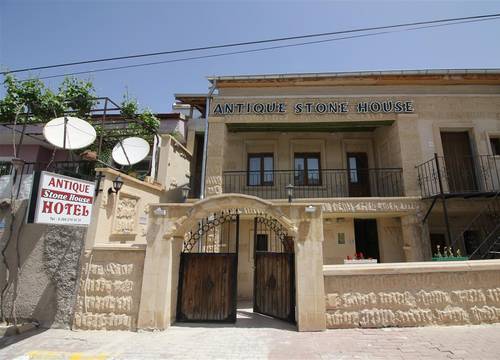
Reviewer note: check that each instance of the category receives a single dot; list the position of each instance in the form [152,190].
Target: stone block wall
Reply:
[109,290]
[412,294]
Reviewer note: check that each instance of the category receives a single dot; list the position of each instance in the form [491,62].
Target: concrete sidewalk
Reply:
[258,337]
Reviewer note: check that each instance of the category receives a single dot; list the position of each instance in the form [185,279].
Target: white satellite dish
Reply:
[130,151]
[69,133]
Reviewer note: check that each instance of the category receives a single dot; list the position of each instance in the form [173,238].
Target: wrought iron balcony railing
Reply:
[459,175]
[325,183]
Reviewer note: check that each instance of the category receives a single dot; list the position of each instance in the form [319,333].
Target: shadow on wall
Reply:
[173,194]
[39,269]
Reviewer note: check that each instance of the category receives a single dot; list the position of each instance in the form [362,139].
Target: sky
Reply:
[42,32]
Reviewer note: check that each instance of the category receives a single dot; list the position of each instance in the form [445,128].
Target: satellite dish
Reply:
[130,151]
[69,133]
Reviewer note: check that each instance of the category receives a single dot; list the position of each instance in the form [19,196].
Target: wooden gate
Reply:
[274,276]
[208,270]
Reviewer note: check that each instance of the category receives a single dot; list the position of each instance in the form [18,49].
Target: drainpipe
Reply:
[205,140]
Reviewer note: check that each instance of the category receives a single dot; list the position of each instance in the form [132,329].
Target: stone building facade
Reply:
[366,138]
[390,167]
[322,200]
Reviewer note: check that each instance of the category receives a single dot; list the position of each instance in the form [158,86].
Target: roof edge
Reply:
[409,73]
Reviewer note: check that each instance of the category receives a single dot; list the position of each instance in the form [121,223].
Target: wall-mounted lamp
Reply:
[310,209]
[117,185]
[160,212]
[289,191]
[185,192]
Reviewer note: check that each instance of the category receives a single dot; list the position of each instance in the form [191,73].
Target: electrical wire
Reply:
[259,49]
[478,17]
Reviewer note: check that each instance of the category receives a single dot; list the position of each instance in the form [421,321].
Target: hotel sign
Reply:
[319,107]
[60,200]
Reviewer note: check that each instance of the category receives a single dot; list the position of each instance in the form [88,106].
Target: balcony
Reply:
[325,183]
[459,176]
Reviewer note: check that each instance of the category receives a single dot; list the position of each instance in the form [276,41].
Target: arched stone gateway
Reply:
[245,204]
[296,262]
[212,279]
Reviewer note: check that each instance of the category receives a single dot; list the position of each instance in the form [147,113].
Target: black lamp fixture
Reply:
[185,192]
[289,191]
[98,177]
[117,185]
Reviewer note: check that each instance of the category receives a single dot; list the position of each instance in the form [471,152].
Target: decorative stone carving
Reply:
[125,215]
[493,295]
[412,299]
[109,292]
[357,299]
[213,185]
[186,219]
[434,297]
[485,314]
[396,298]
[351,205]
[472,296]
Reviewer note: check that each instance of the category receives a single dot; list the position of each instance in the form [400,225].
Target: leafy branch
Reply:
[41,104]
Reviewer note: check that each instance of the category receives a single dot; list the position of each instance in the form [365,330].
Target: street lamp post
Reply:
[289,191]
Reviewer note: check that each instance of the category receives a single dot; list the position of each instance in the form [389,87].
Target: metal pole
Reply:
[445,209]
[103,118]
[65,129]
[154,155]
[18,149]
[205,141]
[124,152]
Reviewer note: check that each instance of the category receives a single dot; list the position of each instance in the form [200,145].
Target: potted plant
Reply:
[359,258]
[447,254]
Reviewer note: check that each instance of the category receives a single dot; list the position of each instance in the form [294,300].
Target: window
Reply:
[260,169]
[495,145]
[353,169]
[307,169]
[261,244]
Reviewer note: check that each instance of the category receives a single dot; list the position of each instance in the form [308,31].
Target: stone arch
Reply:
[246,203]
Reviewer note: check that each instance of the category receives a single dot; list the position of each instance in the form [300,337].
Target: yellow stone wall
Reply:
[246,260]
[412,294]
[119,219]
[333,252]
[110,290]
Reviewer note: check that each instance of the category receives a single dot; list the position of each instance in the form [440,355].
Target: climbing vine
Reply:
[40,104]
[30,101]
[148,122]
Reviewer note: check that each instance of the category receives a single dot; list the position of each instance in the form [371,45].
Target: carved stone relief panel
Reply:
[415,299]
[109,291]
[378,205]
[126,213]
